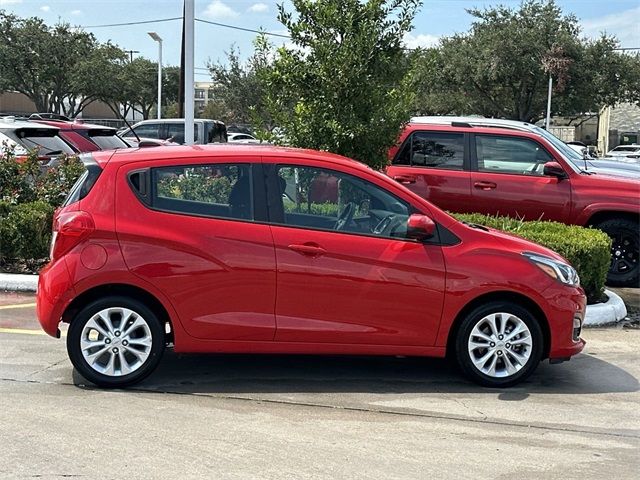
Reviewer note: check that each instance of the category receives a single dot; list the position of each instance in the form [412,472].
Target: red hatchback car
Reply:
[241,249]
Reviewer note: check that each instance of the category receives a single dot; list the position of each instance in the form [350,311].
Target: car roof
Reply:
[474,122]
[178,152]
[10,123]
[175,120]
[64,125]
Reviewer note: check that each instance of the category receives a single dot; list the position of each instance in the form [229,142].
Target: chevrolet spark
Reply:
[257,249]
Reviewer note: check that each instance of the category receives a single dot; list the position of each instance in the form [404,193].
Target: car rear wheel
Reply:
[625,249]
[115,341]
[499,344]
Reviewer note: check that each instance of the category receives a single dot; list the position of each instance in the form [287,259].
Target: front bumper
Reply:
[55,292]
[566,307]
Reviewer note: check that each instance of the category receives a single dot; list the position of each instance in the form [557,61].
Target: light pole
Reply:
[157,38]
[548,120]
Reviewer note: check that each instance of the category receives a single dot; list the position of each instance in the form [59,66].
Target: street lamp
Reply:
[157,38]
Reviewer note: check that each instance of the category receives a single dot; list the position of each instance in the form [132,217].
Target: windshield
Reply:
[575,159]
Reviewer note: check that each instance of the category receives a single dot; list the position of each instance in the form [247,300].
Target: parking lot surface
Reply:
[274,417]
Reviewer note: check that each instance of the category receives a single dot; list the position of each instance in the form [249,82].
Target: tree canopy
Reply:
[500,68]
[63,69]
[341,85]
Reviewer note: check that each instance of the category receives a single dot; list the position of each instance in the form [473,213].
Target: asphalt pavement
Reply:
[280,417]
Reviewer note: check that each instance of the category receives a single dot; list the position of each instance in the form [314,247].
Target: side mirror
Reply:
[420,227]
[553,169]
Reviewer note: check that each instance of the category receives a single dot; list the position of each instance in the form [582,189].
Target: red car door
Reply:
[193,234]
[435,165]
[508,180]
[346,274]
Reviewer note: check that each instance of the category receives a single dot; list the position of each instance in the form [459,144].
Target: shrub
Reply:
[25,233]
[24,180]
[588,250]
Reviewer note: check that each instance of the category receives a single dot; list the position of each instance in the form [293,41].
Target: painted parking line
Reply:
[17,305]
[22,331]
[25,331]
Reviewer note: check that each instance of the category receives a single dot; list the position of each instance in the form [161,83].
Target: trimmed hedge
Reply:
[587,249]
[25,233]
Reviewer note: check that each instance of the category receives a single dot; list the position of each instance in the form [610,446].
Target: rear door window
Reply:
[148,130]
[215,190]
[440,150]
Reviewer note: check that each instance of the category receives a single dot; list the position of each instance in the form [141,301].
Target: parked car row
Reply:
[53,135]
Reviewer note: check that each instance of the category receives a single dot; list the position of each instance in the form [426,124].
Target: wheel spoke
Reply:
[124,365]
[524,340]
[521,359]
[144,341]
[510,367]
[138,322]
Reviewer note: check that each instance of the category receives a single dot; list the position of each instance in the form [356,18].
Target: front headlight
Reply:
[558,270]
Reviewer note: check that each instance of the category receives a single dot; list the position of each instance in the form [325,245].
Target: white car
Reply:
[242,138]
[632,151]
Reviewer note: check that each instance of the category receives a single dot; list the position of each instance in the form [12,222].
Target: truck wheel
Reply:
[625,247]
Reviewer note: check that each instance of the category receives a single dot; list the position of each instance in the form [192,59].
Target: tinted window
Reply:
[216,132]
[149,130]
[175,132]
[510,155]
[47,142]
[107,140]
[329,200]
[434,150]
[218,190]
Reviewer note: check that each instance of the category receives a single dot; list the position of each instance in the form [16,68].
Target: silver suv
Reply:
[172,130]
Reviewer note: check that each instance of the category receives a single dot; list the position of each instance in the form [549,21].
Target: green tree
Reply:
[500,68]
[238,90]
[342,86]
[45,63]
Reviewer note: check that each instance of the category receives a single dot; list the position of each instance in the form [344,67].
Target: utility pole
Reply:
[181,80]
[131,52]
[189,24]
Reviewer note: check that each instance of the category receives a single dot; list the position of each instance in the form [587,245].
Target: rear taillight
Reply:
[69,229]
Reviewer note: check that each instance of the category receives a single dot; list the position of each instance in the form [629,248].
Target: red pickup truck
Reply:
[502,167]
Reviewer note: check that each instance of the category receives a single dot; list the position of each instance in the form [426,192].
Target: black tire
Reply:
[463,356]
[155,328]
[625,262]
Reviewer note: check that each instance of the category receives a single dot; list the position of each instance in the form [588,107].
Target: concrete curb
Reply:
[15,282]
[611,311]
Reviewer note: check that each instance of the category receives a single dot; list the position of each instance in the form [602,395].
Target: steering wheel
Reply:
[345,216]
[385,225]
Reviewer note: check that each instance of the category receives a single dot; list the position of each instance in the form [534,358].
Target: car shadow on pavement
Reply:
[281,374]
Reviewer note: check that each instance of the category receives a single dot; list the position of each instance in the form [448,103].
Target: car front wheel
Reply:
[499,344]
[115,341]
[624,270]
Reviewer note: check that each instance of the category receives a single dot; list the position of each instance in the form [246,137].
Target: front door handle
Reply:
[309,249]
[405,179]
[485,185]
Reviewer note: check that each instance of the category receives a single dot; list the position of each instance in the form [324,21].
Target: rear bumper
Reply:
[563,310]
[55,292]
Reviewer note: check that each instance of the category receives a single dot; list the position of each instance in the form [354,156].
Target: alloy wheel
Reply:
[116,341]
[500,345]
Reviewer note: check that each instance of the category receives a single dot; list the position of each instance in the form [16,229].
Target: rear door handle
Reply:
[309,249]
[485,185]
[405,179]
